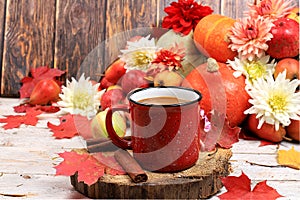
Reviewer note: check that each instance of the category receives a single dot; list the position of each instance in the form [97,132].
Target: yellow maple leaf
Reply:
[290,158]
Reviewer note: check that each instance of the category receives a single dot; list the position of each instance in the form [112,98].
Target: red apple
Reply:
[293,130]
[291,66]
[285,41]
[267,131]
[112,97]
[44,92]
[115,71]
[134,79]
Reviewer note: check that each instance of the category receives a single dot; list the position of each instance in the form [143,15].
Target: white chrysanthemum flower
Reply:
[253,69]
[80,97]
[139,54]
[275,102]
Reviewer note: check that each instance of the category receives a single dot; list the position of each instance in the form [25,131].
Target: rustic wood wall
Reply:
[75,35]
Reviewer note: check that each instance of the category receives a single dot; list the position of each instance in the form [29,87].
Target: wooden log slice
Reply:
[200,181]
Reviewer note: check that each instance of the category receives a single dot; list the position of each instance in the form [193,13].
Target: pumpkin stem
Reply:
[212,65]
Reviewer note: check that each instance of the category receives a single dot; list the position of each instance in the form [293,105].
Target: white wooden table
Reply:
[29,153]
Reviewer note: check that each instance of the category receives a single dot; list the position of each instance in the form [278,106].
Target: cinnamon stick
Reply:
[131,166]
[93,141]
[102,144]
[102,147]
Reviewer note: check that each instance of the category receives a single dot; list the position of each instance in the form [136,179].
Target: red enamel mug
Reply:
[164,127]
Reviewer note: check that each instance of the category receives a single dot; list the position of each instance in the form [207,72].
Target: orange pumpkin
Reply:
[220,90]
[211,37]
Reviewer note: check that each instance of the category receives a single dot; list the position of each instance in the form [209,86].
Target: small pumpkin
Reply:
[211,37]
[220,90]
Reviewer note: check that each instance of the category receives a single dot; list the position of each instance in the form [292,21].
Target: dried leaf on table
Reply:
[38,74]
[88,167]
[90,170]
[240,188]
[266,143]
[290,158]
[71,163]
[112,166]
[45,108]
[66,128]
[83,125]
[14,121]
[70,126]
[220,134]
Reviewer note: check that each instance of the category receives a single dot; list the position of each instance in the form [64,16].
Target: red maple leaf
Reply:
[266,143]
[14,121]
[83,126]
[88,167]
[90,170]
[66,128]
[45,108]
[240,188]
[112,166]
[220,134]
[70,126]
[71,163]
[38,74]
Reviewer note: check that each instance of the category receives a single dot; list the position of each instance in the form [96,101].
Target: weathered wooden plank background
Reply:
[76,35]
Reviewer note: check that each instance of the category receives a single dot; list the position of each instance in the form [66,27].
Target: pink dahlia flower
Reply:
[272,9]
[249,36]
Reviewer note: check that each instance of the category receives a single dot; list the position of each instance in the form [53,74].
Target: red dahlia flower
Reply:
[184,15]
[171,58]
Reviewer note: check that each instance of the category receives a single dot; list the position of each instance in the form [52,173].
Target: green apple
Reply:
[99,127]
[167,78]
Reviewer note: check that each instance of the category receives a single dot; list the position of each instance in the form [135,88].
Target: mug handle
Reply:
[120,142]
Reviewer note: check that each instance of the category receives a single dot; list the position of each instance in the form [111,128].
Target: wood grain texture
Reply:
[80,36]
[124,19]
[28,41]
[79,29]
[2,14]
[215,5]
[228,8]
